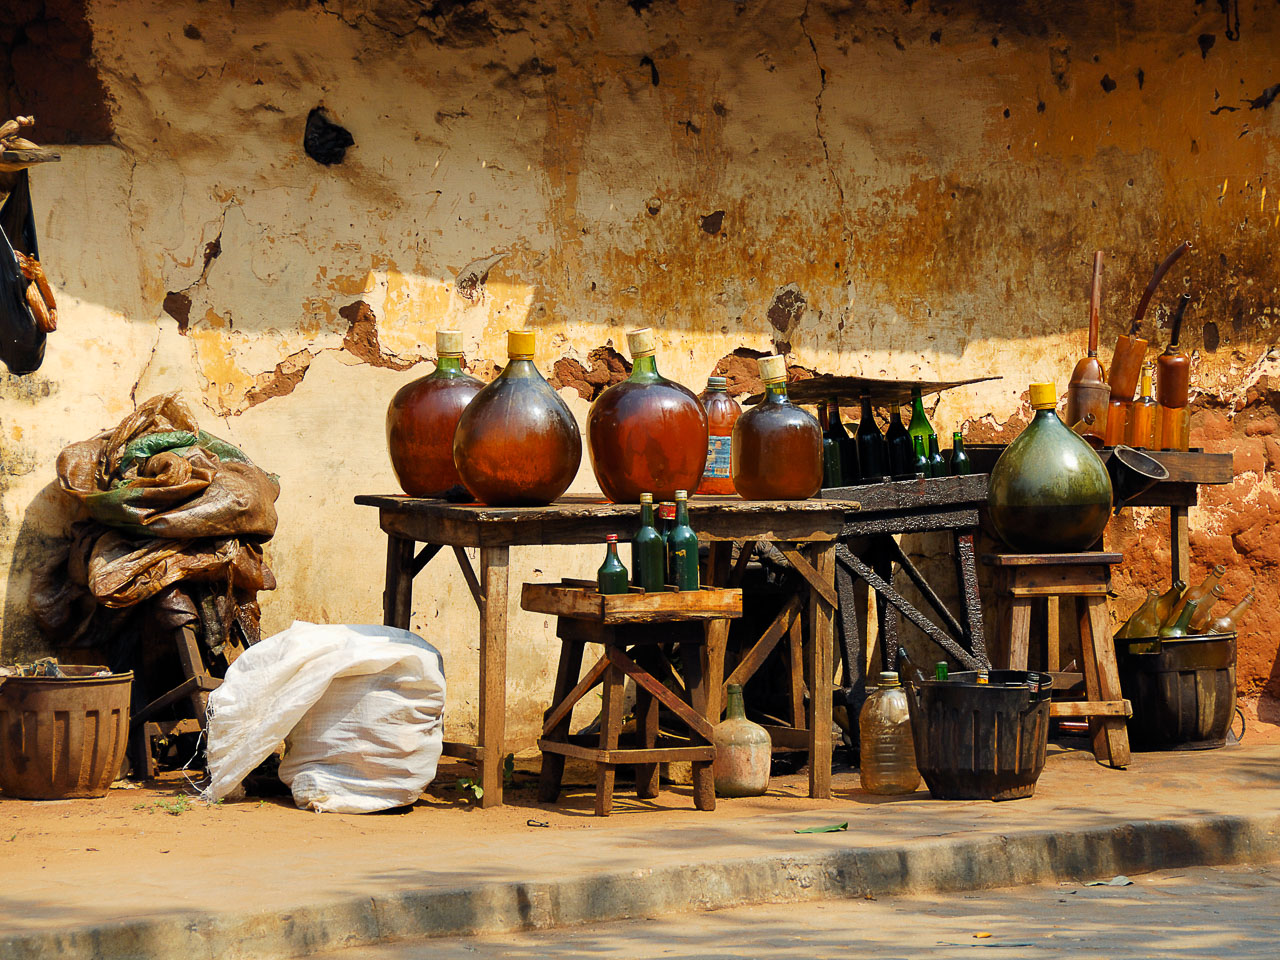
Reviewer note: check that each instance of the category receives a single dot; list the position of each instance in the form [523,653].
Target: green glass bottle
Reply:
[844,443]
[919,425]
[937,465]
[1142,623]
[1049,491]
[648,551]
[682,547]
[612,576]
[832,475]
[1179,628]
[921,465]
[961,465]
[902,458]
[873,452]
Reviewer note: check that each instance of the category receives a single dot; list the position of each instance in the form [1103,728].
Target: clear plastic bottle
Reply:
[884,728]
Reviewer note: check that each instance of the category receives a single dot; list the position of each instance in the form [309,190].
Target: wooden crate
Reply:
[580,600]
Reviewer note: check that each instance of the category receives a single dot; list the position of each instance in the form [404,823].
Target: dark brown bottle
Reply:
[421,421]
[647,434]
[517,444]
[777,447]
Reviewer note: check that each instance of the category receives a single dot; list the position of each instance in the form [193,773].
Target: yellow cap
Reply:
[449,343]
[640,342]
[520,343]
[773,369]
[1044,396]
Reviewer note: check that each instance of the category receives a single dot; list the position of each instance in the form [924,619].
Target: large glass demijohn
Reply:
[777,447]
[422,418]
[1049,491]
[647,434]
[517,444]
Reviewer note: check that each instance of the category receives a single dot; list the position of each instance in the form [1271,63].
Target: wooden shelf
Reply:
[12,161]
[579,600]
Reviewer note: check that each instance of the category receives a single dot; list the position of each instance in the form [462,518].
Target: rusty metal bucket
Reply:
[63,737]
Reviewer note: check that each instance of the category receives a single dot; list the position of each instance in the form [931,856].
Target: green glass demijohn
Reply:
[1049,491]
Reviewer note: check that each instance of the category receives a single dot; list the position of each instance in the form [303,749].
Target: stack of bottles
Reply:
[1179,612]
[664,551]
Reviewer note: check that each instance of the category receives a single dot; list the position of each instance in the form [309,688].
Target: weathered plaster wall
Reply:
[891,189]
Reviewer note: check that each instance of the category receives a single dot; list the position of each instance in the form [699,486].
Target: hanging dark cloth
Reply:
[21,338]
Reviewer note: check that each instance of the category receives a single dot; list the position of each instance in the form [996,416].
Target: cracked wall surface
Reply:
[888,189]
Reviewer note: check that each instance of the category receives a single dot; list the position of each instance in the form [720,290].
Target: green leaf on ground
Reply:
[826,828]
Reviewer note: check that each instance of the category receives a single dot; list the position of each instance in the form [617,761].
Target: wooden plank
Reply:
[425,555]
[466,751]
[1050,559]
[748,665]
[1102,681]
[643,679]
[1019,633]
[647,727]
[914,495]
[464,564]
[189,687]
[1052,590]
[494,562]
[849,390]
[1063,580]
[922,585]
[1096,708]
[821,621]
[967,581]
[610,727]
[787,738]
[745,552]
[1167,495]
[585,603]
[827,590]
[697,676]
[795,668]
[636,755]
[1179,545]
[563,708]
[1053,638]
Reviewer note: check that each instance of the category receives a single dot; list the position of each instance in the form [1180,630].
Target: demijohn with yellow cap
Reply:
[1049,491]
[517,444]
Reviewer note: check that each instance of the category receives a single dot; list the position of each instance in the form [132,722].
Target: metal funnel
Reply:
[1132,474]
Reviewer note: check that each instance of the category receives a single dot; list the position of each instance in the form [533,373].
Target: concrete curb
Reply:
[940,864]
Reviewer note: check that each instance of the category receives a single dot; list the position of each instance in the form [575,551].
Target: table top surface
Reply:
[582,505]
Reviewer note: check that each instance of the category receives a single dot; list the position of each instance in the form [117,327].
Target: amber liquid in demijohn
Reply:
[777,447]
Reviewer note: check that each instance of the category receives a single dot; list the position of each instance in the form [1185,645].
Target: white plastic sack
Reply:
[359,706]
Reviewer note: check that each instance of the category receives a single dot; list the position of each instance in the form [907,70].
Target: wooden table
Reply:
[812,526]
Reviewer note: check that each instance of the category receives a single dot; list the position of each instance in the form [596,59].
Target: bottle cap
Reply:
[733,688]
[520,344]
[682,494]
[956,435]
[773,369]
[640,342]
[888,678]
[610,538]
[1044,396]
[646,498]
[449,343]
[717,383]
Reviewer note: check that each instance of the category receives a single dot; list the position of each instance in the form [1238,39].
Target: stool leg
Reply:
[1053,638]
[647,727]
[610,727]
[1019,630]
[566,678]
[1110,736]
[696,674]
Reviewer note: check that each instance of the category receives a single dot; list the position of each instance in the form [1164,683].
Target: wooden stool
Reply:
[634,628]
[1024,577]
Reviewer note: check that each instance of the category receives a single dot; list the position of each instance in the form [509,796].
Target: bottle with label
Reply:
[744,751]
[832,476]
[919,425]
[682,547]
[517,443]
[873,452]
[1141,431]
[612,575]
[1204,612]
[648,551]
[422,418]
[937,465]
[961,465]
[1142,622]
[888,752]
[901,454]
[777,447]
[1197,593]
[1231,622]
[921,465]
[847,445]
[1179,627]
[722,413]
[646,433]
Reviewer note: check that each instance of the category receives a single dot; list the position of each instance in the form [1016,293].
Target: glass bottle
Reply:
[1197,593]
[919,425]
[1164,606]
[961,465]
[831,473]
[901,453]
[722,413]
[1141,431]
[666,521]
[937,465]
[682,547]
[646,433]
[422,418]
[648,551]
[1173,385]
[1142,622]
[777,447]
[847,444]
[1204,612]
[888,752]
[612,575]
[940,670]
[1230,623]
[1049,491]
[873,452]
[1179,627]
[921,465]
[517,444]
[744,751]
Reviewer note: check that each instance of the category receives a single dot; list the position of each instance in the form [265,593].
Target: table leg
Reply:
[610,725]
[717,631]
[397,595]
[1109,734]
[1179,544]
[967,578]
[697,676]
[822,620]
[888,614]
[493,670]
